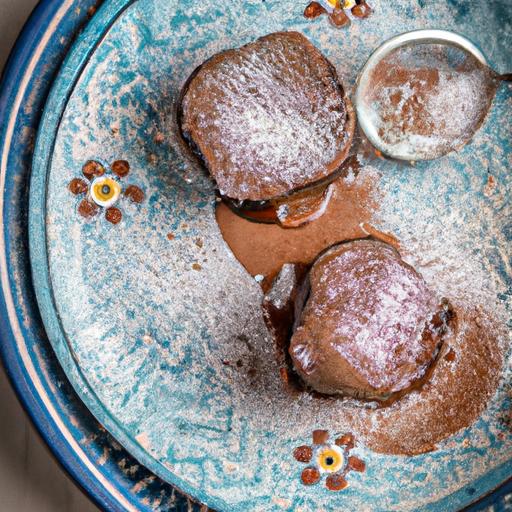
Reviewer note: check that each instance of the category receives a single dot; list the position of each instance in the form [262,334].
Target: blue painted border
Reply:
[24,329]
[12,75]
[31,399]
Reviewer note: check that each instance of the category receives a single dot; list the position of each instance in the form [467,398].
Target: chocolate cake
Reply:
[268,119]
[370,327]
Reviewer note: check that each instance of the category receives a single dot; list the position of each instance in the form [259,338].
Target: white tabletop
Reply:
[30,479]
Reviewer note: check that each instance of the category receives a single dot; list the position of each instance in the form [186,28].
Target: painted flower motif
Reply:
[330,459]
[103,189]
[337,10]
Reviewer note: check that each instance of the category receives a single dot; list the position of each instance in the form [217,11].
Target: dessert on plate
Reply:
[271,123]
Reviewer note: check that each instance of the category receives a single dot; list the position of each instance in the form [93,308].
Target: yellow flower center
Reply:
[343,4]
[105,191]
[330,459]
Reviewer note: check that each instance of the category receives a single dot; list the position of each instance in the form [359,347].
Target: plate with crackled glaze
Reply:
[146,306]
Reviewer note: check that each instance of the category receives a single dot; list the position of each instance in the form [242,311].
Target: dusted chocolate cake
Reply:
[370,327]
[268,119]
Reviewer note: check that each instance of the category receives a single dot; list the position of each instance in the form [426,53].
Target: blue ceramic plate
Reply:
[144,313]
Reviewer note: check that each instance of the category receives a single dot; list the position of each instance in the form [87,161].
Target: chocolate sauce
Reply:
[264,248]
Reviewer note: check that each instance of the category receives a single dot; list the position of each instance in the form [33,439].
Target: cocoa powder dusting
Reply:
[453,398]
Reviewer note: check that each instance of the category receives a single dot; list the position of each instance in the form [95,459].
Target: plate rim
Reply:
[46,397]
[70,71]
[30,393]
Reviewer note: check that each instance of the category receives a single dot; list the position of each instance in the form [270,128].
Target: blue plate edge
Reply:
[44,10]
[20,381]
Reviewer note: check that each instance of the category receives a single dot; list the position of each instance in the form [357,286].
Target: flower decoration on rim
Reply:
[327,458]
[337,10]
[103,189]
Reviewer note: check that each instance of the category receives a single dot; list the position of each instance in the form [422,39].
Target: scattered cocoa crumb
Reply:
[159,138]
[199,243]
[171,236]
[490,185]
[196,266]
[283,372]
[450,356]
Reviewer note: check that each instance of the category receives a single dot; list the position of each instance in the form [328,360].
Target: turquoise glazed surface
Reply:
[142,324]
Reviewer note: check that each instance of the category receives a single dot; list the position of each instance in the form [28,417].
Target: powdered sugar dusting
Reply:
[274,117]
[374,308]
[426,100]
